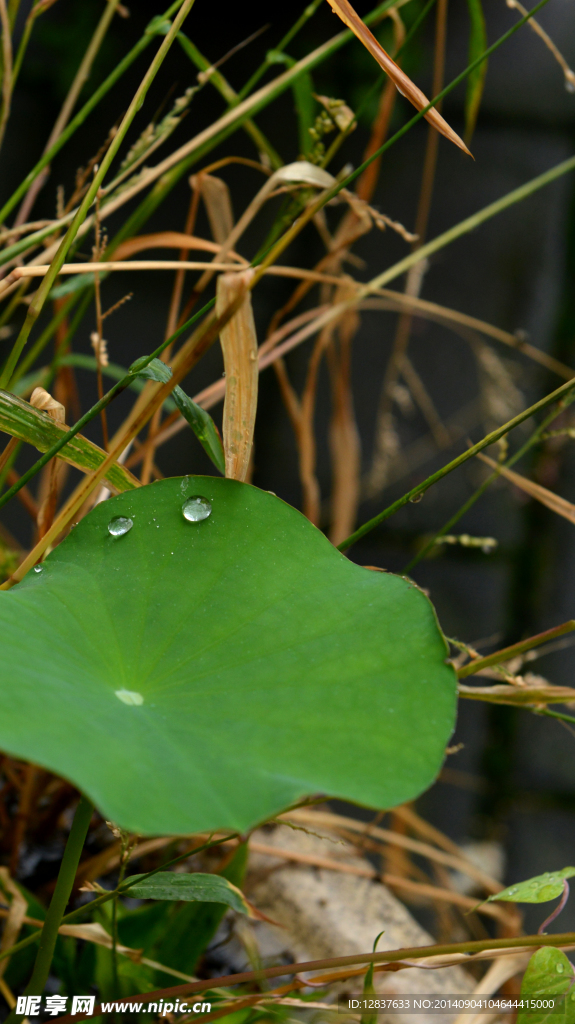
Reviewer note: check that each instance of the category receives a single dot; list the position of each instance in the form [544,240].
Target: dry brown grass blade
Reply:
[218,204]
[169,240]
[553,501]
[511,693]
[305,435]
[344,437]
[240,349]
[402,82]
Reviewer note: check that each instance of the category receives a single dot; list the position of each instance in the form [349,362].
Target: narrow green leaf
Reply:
[369,988]
[549,973]
[194,888]
[539,889]
[476,78]
[198,419]
[305,106]
[203,427]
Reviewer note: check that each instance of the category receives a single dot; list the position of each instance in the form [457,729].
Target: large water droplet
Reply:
[119,525]
[560,968]
[129,697]
[196,508]
[38,568]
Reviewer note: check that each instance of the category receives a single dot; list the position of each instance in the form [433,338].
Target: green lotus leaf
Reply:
[190,675]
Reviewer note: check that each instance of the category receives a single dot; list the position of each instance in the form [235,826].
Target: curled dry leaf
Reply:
[42,399]
[240,350]
[402,82]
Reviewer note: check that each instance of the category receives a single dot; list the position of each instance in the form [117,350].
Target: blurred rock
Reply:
[325,913]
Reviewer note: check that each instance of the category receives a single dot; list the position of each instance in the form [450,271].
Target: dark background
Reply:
[514,780]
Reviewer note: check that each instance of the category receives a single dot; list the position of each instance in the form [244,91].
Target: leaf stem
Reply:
[64,883]
[558,908]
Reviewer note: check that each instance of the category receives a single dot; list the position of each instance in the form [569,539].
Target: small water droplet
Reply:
[513,889]
[273,492]
[570,85]
[196,508]
[129,697]
[559,968]
[416,498]
[38,568]
[119,525]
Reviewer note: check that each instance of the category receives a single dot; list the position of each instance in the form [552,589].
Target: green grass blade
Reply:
[20,419]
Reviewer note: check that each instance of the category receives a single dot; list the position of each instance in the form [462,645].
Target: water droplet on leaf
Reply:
[119,525]
[129,697]
[559,968]
[37,568]
[196,508]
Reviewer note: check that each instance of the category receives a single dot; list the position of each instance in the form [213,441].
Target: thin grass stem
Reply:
[58,903]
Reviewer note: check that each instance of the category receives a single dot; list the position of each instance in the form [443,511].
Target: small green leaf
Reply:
[270,666]
[192,926]
[549,973]
[194,888]
[198,419]
[540,889]
[155,370]
[476,79]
